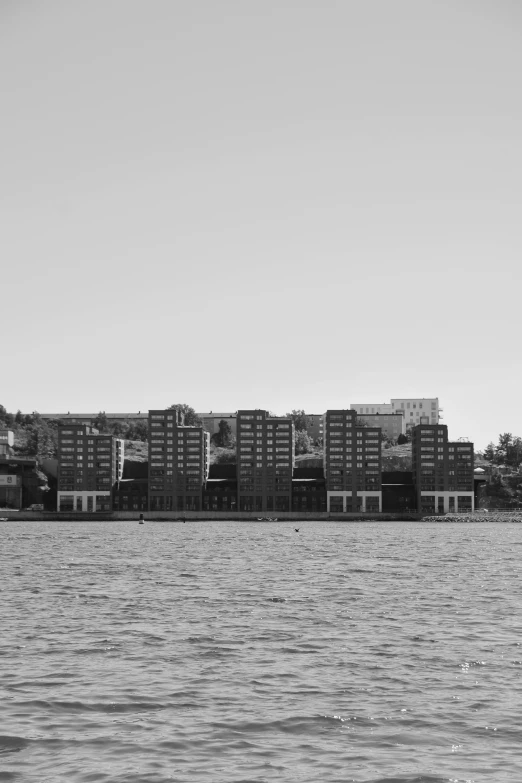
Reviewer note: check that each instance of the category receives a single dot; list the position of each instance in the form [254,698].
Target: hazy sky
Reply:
[262,203]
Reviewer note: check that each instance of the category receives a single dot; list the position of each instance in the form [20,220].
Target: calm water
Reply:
[248,652]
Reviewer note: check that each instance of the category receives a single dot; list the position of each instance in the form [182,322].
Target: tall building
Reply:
[442,470]
[89,465]
[352,463]
[413,408]
[178,462]
[265,461]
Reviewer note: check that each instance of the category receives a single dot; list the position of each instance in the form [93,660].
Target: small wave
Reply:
[9,744]
[78,707]
[415,778]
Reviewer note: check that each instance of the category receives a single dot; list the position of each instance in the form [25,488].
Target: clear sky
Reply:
[262,203]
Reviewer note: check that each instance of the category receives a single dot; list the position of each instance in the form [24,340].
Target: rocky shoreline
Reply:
[478,516]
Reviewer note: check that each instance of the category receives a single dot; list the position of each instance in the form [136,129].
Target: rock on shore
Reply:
[478,516]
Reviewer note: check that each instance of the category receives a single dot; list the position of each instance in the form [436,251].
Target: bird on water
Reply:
[296,529]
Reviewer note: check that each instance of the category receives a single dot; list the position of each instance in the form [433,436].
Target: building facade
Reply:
[89,465]
[220,493]
[178,463]
[265,461]
[443,471]
[415,408]
[371,408]
[352,464]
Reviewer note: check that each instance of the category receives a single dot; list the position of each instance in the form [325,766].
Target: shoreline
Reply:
[288,516]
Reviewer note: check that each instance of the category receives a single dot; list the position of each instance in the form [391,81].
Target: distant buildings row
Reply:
[93,477]
[393,418]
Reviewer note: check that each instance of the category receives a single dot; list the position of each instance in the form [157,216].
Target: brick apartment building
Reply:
[178,462]
[89,465]
[265,461]
[352,463]
[443,471]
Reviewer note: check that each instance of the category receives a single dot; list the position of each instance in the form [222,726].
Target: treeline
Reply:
[34,437]
[38,438]
[508,451]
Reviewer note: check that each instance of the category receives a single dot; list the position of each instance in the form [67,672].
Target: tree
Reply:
[42,441]
[101,423]
[138,430]
[504,442]
[189,416]
[403,439]
[226,457]
[119,430]
[141,430]
[223,436]
[300,419]
[303,442]
[489,452]
[514,452]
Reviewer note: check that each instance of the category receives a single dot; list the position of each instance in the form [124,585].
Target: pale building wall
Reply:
[348,495]
[83,495]
[445,496]
[415,407]
[371,407]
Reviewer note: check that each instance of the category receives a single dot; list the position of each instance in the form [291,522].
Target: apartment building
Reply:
[265,461]
[413,408]
[391,424]
[179,459]
[89,465]
[442,470]
[352,463]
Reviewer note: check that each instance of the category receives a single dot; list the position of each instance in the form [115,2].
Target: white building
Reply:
[412,408]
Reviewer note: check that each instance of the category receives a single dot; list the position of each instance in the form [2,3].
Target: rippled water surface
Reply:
[248,652]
